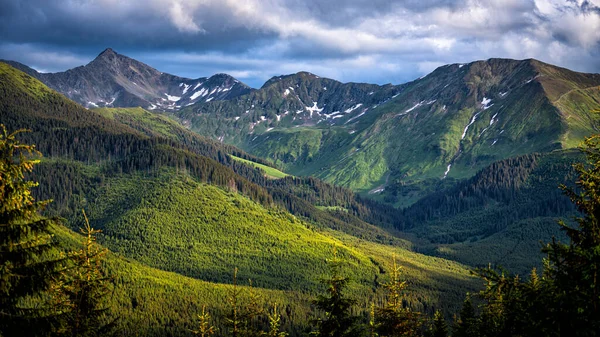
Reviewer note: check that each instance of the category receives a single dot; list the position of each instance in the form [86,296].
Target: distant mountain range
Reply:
[371,138]
[448,124]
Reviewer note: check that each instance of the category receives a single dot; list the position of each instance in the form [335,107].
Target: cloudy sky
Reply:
[378,41]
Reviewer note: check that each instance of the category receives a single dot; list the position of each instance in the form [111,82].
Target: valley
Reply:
[191,179]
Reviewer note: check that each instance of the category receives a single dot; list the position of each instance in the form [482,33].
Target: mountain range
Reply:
[370,138]
[452,171]
[203,212]
[448,124]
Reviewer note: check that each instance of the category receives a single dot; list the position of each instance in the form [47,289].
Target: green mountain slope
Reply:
[499,216]
[450,123]
[123,143]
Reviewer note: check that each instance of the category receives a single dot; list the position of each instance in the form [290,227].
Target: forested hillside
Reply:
[201,213]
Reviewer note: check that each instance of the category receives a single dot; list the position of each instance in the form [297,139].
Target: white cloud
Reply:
[182,18]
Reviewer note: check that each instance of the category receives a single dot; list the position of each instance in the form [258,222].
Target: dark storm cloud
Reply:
[355,40]
[84,23]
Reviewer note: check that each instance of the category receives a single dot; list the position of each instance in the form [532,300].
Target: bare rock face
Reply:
[115,80]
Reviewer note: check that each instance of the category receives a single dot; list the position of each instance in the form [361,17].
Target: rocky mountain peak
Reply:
[291,78]
[115,80]
[108,52]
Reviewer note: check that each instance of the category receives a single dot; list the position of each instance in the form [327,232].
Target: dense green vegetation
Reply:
[564,299]
[27,262]
[130,303]
[511,206]
[181,204]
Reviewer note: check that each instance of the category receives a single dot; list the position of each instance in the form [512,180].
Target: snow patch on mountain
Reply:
[357,116]
[415,106]
[485,103]
[185,88]
[493,119]
[447,170]
[314,109]
[172,98]
[349,110]
[468,125]
[201,92]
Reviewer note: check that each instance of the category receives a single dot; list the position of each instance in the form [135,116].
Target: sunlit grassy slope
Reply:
[143,120]
[271,172]
[153,302]
[200,231]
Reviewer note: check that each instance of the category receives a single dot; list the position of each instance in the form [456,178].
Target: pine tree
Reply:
[393,319]
[205,329]
[232,318]
[372,323]
[440,328]
[27,263]
[85,288]
[337,320]
[566,299]
[275,324]
[241,317]
[574,268]
[251,311]
[466,325]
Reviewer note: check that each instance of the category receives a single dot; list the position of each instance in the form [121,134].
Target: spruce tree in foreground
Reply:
[393,319]
[337,320]
[574,269]
[232,318]
[275,323]
[566,299]
[439,328]
[242,314]
[205,329]
[27,265]
[466,324]
[84,289]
